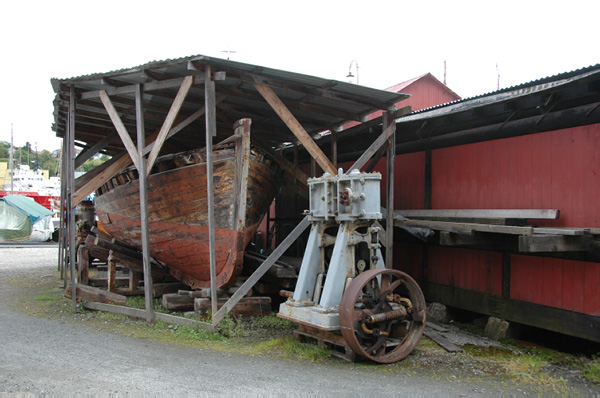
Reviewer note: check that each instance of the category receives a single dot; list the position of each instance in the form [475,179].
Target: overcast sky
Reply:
[392,41]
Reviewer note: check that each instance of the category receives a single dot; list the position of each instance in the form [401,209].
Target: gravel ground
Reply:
[48,356]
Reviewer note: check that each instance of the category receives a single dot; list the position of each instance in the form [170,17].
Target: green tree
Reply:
[4,148]
[48,162]
[92,163]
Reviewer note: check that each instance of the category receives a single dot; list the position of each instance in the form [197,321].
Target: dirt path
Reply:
[42,355]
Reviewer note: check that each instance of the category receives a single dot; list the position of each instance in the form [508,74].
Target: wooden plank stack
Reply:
[503,230]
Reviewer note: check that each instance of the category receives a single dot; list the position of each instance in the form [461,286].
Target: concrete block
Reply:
[496,328]
[438,312]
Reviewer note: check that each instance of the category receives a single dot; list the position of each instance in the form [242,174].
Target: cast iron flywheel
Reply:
[382,315]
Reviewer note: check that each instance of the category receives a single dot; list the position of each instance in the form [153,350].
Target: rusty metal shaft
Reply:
[400,313]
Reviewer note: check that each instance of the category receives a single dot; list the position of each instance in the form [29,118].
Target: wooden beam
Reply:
[561,231]
[183,124]
[130,89]
[281,161]
[87,154]
[313,90]
[118,123]
[364,158]
[554,243]
[389,123]
[260,272]
[559,320]
[465,228]
[169,120]
[71,204]
[296,128]
[100,174]
[211,131]
[567,118]
[91,181]
[531,214]
[242,153]
[145,231]
[138,313]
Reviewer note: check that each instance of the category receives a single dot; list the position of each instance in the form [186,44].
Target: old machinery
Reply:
[343,282]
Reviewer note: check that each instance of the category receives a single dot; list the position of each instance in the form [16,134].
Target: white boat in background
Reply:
[27,180]
[31,183]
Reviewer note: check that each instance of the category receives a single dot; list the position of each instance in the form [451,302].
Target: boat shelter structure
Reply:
[163,107]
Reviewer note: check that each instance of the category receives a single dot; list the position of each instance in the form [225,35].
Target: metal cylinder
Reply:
[400,313]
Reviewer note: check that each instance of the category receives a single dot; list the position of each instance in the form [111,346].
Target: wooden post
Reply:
[141,143]
[71,190]
[61,228]
[111,276]
[334,148]
[242,153]
[388,122]
[211,131]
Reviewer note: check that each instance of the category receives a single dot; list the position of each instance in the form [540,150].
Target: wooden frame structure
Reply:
[138,98]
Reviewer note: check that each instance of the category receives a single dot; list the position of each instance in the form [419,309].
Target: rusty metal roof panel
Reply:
[319,104]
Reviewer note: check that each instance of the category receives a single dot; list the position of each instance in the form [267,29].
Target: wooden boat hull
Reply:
[178,215]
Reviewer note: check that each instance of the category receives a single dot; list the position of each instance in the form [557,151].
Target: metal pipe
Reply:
[400,313]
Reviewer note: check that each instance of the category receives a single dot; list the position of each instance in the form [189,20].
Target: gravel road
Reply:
[46,356]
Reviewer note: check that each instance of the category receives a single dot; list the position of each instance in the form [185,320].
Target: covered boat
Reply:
[245,183]
[24,220]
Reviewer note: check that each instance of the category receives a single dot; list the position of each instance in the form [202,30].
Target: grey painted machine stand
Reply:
[350,204]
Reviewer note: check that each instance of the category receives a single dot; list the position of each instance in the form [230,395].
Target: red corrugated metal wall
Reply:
[554,170]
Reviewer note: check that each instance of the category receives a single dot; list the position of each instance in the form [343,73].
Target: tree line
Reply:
[43,160]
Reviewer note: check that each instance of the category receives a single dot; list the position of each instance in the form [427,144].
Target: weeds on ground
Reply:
[529,367]
[288,347]
[592,370]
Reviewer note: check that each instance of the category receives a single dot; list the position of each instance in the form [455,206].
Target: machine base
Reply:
[314,316]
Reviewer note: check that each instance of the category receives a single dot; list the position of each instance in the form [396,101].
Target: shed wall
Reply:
[554,170]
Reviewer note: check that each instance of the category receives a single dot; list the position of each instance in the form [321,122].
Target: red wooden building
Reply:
[533,146]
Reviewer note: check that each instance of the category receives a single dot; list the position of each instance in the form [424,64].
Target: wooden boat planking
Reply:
[177,209]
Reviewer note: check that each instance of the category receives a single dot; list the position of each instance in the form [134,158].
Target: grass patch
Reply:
[591,370]
[270,322]
[44,298]
[288,347]
[526,365]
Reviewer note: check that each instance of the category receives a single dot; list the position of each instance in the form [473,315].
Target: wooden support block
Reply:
[554,243]
[249,306]
[266,288]
[91,294]
[332,340]
[112,276]
[134,279]
[177,302]
[103,282]
[479,241]
[95,251]
[83,264]
[158,289]
[118,248]
[129,292]
[136,264]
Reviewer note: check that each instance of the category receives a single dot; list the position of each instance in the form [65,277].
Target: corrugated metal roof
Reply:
[318,104]
[561,101]
[555,79]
